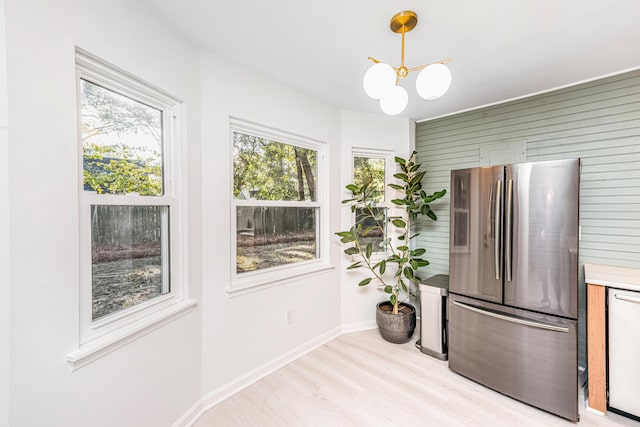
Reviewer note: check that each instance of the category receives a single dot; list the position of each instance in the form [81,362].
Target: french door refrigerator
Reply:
[513,267]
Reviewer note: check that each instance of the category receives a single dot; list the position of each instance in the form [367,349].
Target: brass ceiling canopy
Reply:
[432,82]
[404,22]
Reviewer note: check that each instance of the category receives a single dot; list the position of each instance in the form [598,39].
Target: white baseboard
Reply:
[222,393]
[191,416]
[359,326]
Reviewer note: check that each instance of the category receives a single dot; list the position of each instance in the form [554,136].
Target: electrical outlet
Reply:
[290,317]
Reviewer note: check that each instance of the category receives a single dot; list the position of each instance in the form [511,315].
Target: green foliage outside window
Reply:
[121,142]
[370,172]
[117,169]
[270,170]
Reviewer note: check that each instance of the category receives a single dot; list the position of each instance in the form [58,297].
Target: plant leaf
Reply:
[393,258]
[417,178]
[388,289]
[418,252]
[383,266]
[352,251]
[421,262]
[400,160]
[408,272]
[365,282]
[399,223]
[396,186]
[404,286]
[431,214]
[369,249]
[355,265]
[393,299]
[369,230]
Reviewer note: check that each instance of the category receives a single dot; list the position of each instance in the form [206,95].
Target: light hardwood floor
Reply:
[359,379]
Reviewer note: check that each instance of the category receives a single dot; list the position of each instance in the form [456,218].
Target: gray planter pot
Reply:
[396,328]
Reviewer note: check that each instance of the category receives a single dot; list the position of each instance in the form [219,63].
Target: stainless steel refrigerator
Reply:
[513,267]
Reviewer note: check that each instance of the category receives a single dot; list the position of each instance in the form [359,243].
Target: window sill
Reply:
[98,348]
[275,278]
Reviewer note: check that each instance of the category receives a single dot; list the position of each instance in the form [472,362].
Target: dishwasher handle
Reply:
[627,298]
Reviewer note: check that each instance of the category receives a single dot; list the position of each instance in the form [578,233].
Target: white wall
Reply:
[362,130]
[245,337]
[195,361]
[155,379]
[4,230]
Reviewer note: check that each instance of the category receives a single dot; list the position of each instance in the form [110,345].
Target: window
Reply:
[372,168]
[277,204]
[371,171]
[129,201]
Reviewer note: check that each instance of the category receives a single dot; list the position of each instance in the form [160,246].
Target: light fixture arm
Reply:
[421,67]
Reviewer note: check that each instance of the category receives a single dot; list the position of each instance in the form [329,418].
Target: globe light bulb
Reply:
[379,80]
[433,81]
[395,102]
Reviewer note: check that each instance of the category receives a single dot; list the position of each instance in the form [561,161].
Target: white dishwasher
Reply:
[624,351]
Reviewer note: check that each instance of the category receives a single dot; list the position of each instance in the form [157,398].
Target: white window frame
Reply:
[389,168]
[254,280]
[107,333]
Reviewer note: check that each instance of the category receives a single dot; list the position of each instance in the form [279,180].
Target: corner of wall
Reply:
[5,291]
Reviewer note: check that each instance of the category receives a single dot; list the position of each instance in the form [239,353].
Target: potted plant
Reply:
[396,319]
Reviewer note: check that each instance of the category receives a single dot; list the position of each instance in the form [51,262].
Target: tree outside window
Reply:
[275,198]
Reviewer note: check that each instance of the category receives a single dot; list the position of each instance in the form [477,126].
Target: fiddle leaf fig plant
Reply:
[370,220]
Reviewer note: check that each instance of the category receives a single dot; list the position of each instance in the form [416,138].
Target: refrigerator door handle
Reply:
[508,238]
[498,229]
[627,298]
[512,319]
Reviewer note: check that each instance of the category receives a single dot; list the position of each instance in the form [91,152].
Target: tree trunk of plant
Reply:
[395,305]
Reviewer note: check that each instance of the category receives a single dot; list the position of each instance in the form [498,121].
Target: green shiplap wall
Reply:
[597,121]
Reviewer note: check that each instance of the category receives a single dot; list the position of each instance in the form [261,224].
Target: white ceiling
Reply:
[501,49]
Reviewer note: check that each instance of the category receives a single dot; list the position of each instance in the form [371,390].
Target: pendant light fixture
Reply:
[381,79]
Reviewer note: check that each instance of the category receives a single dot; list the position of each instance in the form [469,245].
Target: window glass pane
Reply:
[370,171]
[374,226]
[270,170]
[272,236]
[121,143]
[129,256]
